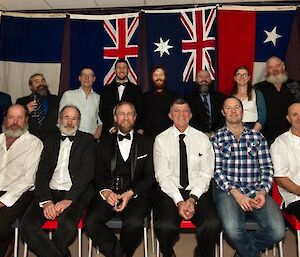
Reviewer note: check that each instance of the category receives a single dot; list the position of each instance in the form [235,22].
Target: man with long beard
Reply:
[42,107]
[19,157]
[279,93]
[206,105]
[156,103]
[62,187]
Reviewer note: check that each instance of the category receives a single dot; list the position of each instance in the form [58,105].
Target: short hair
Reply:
[88,68]
[123,103]
[179,101]
[156,67]
[69,106]
[32,76]
[121,60]
[26,111]
[232,97]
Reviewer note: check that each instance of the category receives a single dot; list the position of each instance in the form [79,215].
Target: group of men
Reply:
[128,173]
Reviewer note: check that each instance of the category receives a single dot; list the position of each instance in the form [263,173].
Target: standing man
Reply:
[244,175]
[42,107]
[19,157]
[156,103]
[124,180]
[63,187]
[279,92]
[87,101]
[5,102]
[121,89]
[286,166]
[184,163]
[206,105]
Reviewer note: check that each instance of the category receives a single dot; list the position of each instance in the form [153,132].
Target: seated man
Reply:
[244,175]
[124,179]
[19,157]
[184,164]
[63,187]
[286,160]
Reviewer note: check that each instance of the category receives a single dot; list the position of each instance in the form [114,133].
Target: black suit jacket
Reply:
[48,127]
[110,97]
[81,167]
[200,117]
[142,171]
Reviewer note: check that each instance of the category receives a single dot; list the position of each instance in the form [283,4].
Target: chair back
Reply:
[276,194]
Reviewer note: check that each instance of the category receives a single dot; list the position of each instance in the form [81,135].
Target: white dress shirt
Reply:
[18,166]
[200,158]
[250,109]
[61,177]
[286,160]
[88,106]
[125,145]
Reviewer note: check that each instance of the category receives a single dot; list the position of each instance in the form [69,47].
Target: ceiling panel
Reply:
[119,3]
[15,5]
[72,4]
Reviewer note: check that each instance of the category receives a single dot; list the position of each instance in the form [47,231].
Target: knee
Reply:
[132,223]
[277,231]
[166,229]
[211,227]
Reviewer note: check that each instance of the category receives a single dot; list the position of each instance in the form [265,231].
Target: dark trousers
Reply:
[8,215]
[99,212]
[294,208]
[38,240]
[167,223]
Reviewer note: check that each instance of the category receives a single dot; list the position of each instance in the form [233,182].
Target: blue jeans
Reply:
[269,219]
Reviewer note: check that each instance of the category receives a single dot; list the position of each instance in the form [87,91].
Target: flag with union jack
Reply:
[184,42]
[98,41]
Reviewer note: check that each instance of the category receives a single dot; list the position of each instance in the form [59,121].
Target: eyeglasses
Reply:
[242,75]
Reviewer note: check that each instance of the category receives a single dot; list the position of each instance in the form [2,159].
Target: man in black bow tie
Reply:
[63,187]
[120,89]
[124,179]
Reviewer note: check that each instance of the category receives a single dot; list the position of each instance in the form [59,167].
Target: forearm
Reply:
[288,185]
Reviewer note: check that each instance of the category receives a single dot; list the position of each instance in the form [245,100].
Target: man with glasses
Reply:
[87,101]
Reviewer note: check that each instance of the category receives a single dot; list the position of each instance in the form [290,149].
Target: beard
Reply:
[277,79]
[42,90]
[203,88]
[14,131]
[159,84]
[68,130]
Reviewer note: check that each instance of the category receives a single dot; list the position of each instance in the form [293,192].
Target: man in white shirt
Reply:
[184,165]
[87,101]
[286,161]
[19,157]
[63,187]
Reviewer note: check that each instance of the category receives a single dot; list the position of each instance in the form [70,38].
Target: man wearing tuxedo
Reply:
[63,187]
[42,107]
[121,89]
[206,105]
[125,156]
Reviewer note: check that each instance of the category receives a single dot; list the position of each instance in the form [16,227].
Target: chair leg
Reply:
[298,242]
[280,246]
[25,249]
[157,248]
[79,242]
[221,245]
[152,232]
[16,242]
[145,242]
[90,248]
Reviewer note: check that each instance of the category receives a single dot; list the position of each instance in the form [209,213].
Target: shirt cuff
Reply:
[101,193]
[177,197]
[42,203]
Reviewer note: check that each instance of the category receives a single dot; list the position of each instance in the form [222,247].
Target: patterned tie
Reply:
[184,178]
[205,102]
[40,112]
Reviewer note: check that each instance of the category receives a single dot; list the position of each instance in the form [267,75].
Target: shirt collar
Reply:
[176,132]
[82,91]
[131,134]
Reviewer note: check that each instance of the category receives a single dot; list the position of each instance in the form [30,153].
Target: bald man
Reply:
[206,119]
[277,88]
[286,167]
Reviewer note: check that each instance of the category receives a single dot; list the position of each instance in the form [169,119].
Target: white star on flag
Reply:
[163,47]
[272,36]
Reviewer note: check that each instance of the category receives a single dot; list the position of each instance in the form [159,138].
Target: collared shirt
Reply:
[18,166]
[200,159]
[88,106]
[244,164]
[61,177]
[121,88]
[125,145]
[286,159]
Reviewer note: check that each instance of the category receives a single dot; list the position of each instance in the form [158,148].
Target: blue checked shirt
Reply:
[245,164]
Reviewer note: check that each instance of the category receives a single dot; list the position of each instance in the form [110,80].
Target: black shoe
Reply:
[68,253]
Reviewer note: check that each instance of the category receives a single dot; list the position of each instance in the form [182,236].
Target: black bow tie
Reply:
[121,137]
[71,138]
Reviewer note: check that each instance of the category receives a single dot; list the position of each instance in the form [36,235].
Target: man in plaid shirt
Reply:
[243,176]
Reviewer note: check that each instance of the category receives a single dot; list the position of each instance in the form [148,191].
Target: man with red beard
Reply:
[279,93]
[62,187]
[156,103]
[42,107]
[19,157]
